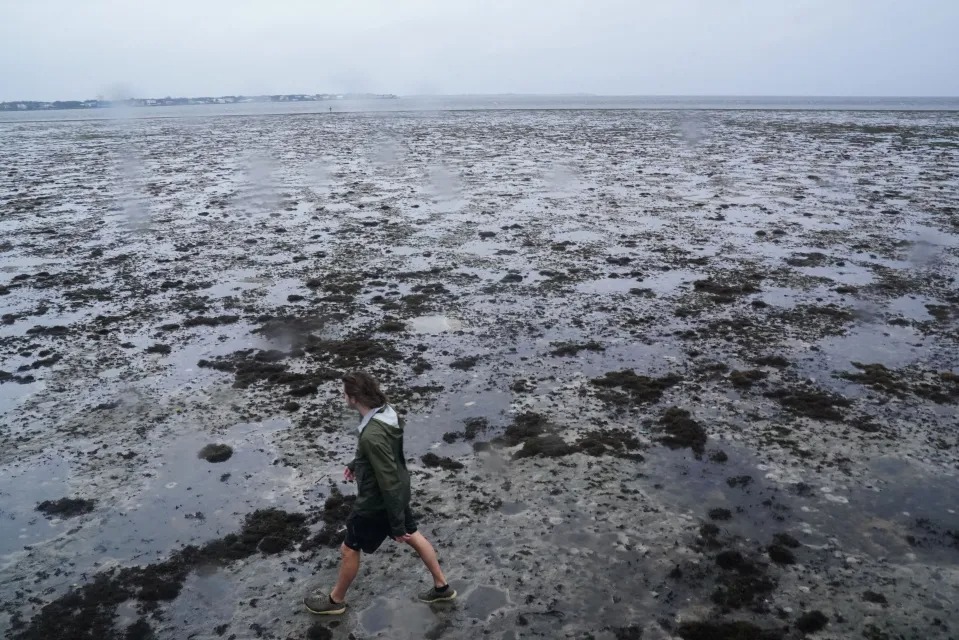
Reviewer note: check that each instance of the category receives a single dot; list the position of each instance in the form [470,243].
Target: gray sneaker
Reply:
[319,602]
[436,595]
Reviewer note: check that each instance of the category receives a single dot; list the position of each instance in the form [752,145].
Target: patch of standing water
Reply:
[873,522]
[484,248]
[609,286]
[23,485]
[484,601]
[670,282]
[397,618]
[911,307]
[891,346]
[579,235]
[230,283]
[208,598]
[448,414]
[182,500]
[851,274]
[12,394]
[435,324]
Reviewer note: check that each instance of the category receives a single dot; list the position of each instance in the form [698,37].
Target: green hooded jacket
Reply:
[382,480]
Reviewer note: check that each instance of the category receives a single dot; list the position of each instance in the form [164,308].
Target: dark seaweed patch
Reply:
[216,452]
[680,430]
[811,403]
[624,389]
[88,612]
[66,507]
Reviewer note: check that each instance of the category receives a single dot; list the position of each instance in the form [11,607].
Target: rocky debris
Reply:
[216,452]
[66,507]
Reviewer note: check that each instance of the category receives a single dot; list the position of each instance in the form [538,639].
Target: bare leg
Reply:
[349,567]
[427,554]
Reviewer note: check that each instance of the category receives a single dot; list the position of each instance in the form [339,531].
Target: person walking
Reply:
[382,506]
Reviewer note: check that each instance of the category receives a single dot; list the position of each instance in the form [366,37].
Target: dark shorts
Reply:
[367,532]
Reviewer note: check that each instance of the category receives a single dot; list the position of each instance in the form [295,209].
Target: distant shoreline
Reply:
[329,104]
[56,105]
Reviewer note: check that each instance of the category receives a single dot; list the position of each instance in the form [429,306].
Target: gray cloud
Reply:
[54,49]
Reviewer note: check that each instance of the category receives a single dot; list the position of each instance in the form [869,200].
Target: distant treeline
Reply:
[33,105]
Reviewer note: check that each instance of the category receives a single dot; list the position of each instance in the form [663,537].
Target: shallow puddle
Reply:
[23,485]
[434,324]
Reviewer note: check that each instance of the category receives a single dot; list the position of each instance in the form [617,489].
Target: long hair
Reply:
[364,388]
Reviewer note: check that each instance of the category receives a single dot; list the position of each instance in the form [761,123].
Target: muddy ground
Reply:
[664,374]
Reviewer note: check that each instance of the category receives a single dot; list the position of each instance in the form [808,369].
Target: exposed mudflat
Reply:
[664,374]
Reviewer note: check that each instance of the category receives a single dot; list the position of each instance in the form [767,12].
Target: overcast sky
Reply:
[69,49]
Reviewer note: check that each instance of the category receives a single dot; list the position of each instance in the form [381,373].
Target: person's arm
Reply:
[380,454]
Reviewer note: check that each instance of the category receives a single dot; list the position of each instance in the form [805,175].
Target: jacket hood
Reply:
[384,414]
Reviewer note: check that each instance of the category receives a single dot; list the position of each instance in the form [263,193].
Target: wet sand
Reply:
[674,374]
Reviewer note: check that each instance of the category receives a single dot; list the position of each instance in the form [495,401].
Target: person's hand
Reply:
[403,538]
[348,475]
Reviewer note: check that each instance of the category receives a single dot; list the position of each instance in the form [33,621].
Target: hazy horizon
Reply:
[493,95]
[59,50]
